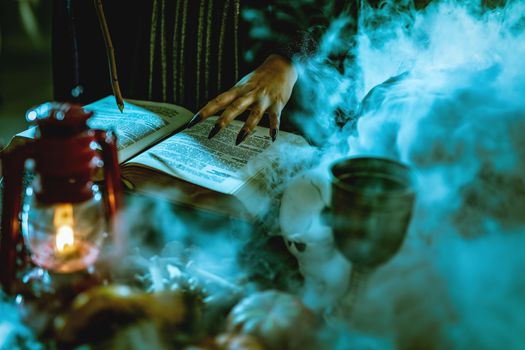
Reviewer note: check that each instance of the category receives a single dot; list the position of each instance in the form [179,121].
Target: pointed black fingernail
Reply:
[196,119]
[214,131]
[273,134]
[241,137]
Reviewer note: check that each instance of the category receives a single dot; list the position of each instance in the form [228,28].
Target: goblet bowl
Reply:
[371,207]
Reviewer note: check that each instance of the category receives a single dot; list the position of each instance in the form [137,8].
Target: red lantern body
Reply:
[67,155]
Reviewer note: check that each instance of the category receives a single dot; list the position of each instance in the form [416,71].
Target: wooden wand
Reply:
[110,52]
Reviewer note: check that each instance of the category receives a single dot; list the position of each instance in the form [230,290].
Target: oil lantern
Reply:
[65,216]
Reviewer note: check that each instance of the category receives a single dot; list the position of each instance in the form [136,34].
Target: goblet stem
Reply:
[358,281]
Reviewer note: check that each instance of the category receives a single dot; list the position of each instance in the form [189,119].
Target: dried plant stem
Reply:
[110,52]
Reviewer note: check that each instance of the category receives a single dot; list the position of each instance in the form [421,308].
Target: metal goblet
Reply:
[371,206]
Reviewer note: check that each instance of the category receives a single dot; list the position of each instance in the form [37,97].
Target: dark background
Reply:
[25,63]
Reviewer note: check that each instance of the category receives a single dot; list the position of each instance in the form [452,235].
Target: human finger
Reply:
[256,114]
[274,113]
[231,112]
[217,104]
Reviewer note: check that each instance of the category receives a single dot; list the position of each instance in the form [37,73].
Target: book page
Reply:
[216,164]
[141,124]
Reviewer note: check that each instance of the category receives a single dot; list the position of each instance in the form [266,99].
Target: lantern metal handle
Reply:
[11,242]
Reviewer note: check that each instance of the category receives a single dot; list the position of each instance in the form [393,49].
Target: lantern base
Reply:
[79,257]
[37,283]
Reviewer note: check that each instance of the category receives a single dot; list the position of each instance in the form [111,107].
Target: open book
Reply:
[159,156]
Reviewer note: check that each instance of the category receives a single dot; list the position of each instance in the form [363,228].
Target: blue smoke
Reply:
[443,90]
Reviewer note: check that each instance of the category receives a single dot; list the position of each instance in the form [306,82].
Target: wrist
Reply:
[279,59]
[282,62]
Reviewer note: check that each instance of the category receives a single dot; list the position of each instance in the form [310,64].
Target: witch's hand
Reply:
[266,90]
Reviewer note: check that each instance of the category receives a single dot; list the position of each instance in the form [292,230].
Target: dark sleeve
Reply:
[294,29]
[77,53]
[79,60]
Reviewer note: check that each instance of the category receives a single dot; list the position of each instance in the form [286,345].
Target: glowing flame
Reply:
[63,221]
[65,238]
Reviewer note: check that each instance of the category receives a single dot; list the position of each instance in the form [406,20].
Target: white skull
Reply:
[309,239]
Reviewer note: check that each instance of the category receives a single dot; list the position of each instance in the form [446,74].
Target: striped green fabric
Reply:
[193,50]
[200,48]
